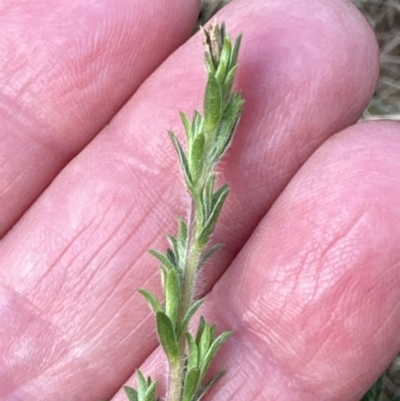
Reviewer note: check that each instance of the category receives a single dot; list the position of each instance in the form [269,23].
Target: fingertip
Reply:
[307,70]
[316,287]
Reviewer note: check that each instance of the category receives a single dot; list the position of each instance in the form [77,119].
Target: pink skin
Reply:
[69,68]
[309,276]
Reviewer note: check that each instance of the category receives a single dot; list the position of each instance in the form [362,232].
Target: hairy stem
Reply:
[175,382]
[187,291]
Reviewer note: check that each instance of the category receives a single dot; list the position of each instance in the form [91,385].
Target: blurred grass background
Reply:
[384,17]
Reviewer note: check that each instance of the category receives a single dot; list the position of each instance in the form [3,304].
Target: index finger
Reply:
[67,67]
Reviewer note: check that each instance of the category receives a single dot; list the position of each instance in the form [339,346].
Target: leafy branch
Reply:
[208,137]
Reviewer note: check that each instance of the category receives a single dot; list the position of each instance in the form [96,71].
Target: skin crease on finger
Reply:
[74,323]
[321,307]
[67,67]
[316,314]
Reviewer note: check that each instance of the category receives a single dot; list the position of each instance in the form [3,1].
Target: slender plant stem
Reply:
[175,382]
[191,265]
[187,291]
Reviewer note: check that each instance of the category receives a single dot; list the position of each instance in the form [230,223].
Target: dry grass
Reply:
[384,17]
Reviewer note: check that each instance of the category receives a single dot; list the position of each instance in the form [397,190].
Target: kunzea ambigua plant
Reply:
[208,137]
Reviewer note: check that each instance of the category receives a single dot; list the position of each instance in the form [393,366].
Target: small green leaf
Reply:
[173,243]
[219,196]
[227,127]
[189,314]
[229,79]
[193,352]
[212,105]
[166,335]
[196,158]
[209,188]
[191,384]
[209,64]
[207,194]
[151,391]
[218,201]
[228,83]
[207,255]
[199,208]
[187,125]
[235,51]
[209,384]
[171,256]
[212,351]
[200,329]
[212,330]
[162,258]
[172,291]
[204,343]
[223,66]
[182,241]
[142,385]
[197,123]
[151,300]
[182,157]
[131,393]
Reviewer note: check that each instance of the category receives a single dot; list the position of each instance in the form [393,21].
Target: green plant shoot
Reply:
[208,137]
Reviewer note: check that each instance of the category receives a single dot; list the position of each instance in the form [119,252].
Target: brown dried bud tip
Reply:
[213,40]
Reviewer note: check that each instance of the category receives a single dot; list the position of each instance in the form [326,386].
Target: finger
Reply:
[67,68]
[85,240]
[314,296]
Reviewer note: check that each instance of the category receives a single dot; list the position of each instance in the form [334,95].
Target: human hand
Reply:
[313,292]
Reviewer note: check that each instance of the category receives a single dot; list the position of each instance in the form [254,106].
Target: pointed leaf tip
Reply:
[131,393]
[151,299]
